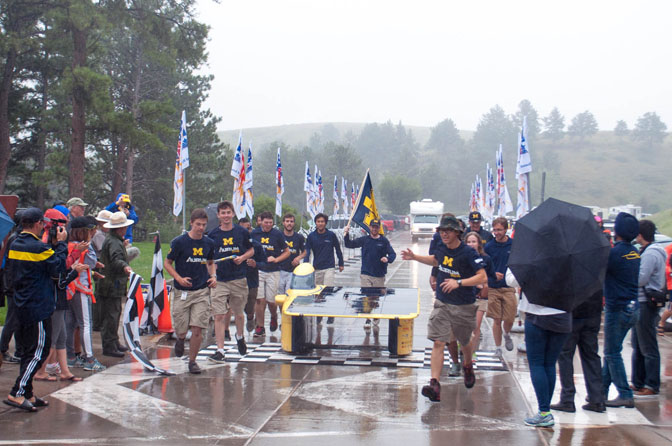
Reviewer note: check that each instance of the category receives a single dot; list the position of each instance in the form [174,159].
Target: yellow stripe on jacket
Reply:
[30,256]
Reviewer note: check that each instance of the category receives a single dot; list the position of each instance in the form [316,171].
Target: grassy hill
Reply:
[663,221]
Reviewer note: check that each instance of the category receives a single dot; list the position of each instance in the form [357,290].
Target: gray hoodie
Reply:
[652,270]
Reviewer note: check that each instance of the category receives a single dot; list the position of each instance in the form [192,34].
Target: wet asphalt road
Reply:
[288,404]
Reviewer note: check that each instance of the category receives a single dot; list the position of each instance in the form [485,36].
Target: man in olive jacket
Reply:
[112,288]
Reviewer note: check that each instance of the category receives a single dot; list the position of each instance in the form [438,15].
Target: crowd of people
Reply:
[65,276]
[63,273]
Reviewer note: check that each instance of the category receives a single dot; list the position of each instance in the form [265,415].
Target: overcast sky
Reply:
[296,61]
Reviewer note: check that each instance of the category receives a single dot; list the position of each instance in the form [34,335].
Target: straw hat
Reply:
[118,220]
[104,216]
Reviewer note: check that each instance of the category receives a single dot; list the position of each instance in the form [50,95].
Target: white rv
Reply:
[425,216]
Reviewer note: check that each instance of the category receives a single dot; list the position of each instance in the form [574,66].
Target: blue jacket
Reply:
[499,253]
[112,207]
[620,283]
[35,266]
[373,249]
[323,247]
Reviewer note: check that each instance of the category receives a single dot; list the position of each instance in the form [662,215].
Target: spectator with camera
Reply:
[123,204]
[34,265]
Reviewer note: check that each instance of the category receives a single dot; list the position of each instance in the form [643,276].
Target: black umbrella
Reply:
[559,255]
[213,221]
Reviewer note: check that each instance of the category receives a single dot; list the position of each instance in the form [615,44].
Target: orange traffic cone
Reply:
[165,322]
[140,301]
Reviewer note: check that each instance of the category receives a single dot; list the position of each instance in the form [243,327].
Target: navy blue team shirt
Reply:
[189,257]
[273,243]
[227,243]
[462,262]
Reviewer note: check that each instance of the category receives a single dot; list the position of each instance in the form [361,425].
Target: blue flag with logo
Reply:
[365,209]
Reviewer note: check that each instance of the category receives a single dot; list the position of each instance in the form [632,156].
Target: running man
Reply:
[194,273]
[460,270]
[230,295]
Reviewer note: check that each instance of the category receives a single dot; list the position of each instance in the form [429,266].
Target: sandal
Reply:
[25,405]
[46,378]
[39,402]
[72,378]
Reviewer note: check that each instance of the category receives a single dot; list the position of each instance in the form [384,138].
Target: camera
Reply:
[53,229]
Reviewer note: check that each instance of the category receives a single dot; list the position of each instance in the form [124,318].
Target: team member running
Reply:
[473,240]
[377,253]
[194,272]
[276,251]
[230,295]
[460,270]
[501,298]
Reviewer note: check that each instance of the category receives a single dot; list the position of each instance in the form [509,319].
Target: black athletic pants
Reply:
[35,341]
[11,325]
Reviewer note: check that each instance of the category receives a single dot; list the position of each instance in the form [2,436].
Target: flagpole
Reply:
[359,197]
[184,201]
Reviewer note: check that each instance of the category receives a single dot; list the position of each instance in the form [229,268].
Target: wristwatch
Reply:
[459,282]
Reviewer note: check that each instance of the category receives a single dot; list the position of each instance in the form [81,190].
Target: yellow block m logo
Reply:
[198,251]
[227,241]
[448,261]
[290,244]
[265,240]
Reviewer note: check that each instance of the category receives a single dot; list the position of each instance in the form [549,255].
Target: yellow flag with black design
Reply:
[365,208]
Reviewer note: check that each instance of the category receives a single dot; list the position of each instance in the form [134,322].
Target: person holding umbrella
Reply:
[558,258]
[621,308]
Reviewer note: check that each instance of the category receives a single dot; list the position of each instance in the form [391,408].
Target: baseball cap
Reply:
[32,215]
[374,222]
[475,216]
[449,222]
[82,222]
[76,201]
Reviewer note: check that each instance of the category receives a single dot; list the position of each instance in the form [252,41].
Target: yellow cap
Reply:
[304,269]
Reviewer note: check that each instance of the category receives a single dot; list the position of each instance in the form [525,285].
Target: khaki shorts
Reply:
[268,285]
[194,311]
[460,320]
[502,304]
[370,281]
[285,281]
[482,304]
[324,277]
[229,295]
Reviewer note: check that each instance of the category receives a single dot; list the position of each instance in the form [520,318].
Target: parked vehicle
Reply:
[425,215]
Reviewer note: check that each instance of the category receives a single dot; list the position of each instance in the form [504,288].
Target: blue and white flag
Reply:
[504,199]
[249,185]
[238,173]
[523,168]
[279,187]
[335,195]
[181,163]
[344,195]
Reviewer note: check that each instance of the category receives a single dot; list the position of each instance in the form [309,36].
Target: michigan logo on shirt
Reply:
[632,255]
[265,240]
[227,241]
[198,251]
[447,261]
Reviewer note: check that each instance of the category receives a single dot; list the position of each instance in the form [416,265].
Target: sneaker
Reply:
[564,407]
[242,347]
[179,347]
[194,368]
[53,369]
[274,324]
[540,420]
[227,335]
[455,369]
[94,366]
[367,324]
[330,320]
[250,324]
[11,359]
[469,377]
[76,362]
[522,348]
[218,357]
[432,390]
[508,342]
[259,331]
[621,402]
[498,352]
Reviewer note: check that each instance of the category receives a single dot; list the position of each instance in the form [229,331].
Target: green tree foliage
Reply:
[649,130]
[264,203]
[621,129]
[444,138]
[583,125]
[494,128]
[525,108]
[554,125]
[397,191]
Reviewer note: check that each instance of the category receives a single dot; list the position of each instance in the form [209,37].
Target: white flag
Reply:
[181,163]
[249,184]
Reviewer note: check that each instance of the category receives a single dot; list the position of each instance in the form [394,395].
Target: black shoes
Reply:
[121,348]
[242,347]
[628,403]
[227,335]
[469,377]
[564,407]
[594,407]
[432,390]
[194,368]
[113,353]
[179,347]
[217,357]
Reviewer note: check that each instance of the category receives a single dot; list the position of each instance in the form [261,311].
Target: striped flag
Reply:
[157,294]
[344,195]
[523,169]
[335,196]
[320,192]
[505,206]
[279,187]
[238,173]
[353,197]
[181,163]
[130,327]
[309,190]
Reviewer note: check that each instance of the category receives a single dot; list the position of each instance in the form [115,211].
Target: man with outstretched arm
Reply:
[460,269]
